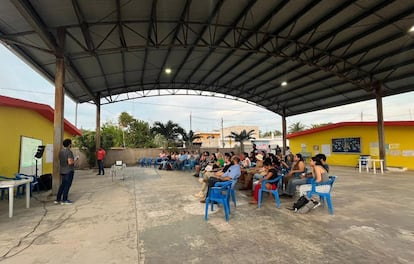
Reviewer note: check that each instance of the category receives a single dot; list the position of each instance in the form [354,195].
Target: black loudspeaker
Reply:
[39,153]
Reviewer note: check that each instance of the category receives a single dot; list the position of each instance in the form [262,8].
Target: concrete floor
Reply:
[153,217]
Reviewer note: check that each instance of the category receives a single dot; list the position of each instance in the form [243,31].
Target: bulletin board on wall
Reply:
[346,145]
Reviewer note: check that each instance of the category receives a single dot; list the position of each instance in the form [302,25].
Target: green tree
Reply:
[189,138]
[269,133]
[171,132]
[125,119]
[278,133]
[111,135]
[86,144]
[139,135]
[320,125]
[242,137]
[296,127]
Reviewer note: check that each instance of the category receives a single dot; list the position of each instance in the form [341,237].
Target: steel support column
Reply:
[58,122]
[98,122]
[380,121]
[284,132]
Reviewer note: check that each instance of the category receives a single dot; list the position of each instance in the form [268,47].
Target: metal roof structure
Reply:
[329,53]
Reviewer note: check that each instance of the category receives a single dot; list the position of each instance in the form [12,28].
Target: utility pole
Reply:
[190,122]
[222,133]
[76,115]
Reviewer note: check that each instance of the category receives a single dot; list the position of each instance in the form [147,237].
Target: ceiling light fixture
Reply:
[168,70]
[411,29]
[284,83]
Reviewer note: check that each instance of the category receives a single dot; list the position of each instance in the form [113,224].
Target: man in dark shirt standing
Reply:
[67,169]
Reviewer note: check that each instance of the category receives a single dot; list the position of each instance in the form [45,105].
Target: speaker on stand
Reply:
[38,155]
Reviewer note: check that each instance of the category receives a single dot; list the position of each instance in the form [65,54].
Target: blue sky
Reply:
[20,81]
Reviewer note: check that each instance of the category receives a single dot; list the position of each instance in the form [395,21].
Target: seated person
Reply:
[212,165]
[259,169]
[202,163]
[216,173]
[322,157]
[319,174]
[233,173]
[181,160]
[298,167]
[245,161]
[220,160]
[252,158]
[271,174]
[294,182]
[167,159]
[288,162]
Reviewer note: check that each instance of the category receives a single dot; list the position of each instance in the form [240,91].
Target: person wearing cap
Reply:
[259,169]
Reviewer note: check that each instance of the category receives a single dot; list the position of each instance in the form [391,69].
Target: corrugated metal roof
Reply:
[329,52]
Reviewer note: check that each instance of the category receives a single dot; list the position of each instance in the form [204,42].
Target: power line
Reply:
[35,91]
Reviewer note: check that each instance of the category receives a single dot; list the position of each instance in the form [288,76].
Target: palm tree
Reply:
[171,131]
[320,125]
[189,138]
[296,127]
[243,136]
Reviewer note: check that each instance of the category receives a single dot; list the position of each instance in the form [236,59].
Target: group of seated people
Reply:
[267,166]
[174,160]
[251,170]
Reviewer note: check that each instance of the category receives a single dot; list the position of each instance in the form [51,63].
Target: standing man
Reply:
[67,169]
[100,155]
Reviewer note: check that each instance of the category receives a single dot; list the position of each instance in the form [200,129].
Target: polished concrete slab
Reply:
[152,217]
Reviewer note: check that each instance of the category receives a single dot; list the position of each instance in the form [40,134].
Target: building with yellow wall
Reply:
[207,139]
[343,143]
[24,125]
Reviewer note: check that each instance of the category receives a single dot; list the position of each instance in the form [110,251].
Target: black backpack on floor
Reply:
[301,202]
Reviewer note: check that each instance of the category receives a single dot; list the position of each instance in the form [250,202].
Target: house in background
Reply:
[25,126]
[343,143]
[207,139]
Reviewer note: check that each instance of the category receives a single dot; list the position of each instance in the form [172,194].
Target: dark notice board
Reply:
[346,145]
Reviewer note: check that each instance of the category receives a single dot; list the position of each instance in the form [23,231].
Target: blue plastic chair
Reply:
[322,196]
[220,194]
[143,161]
[148,162]
[157,162]
[232,192]
[189,164]
[275,192]
[34,183]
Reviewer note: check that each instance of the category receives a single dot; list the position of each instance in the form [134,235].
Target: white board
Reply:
[28,149]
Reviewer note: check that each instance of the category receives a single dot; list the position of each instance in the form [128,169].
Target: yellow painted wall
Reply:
[398,139]
[16,122]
